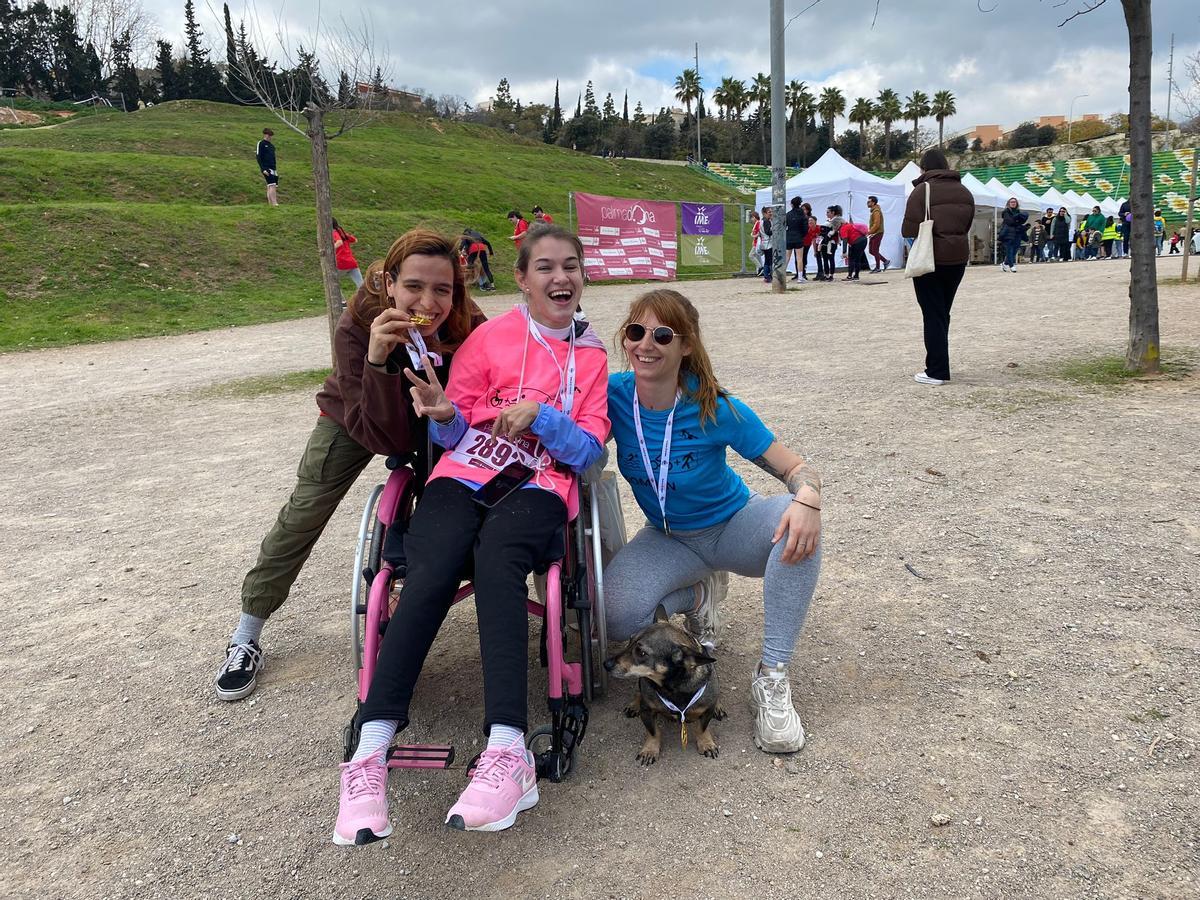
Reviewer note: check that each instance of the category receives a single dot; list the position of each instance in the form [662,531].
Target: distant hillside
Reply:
[155,222]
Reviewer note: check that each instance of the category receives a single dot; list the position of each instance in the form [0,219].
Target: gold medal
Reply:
[683,734]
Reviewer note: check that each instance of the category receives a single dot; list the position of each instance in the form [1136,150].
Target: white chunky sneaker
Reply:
[705,622]
[777,725]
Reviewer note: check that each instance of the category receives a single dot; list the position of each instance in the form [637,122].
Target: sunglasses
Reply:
[662,335]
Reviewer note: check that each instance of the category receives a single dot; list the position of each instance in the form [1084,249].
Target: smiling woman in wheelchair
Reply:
[525,407]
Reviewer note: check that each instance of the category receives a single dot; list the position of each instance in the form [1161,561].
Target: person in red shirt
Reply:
[520,226]
[344,256]
[542,216]
[855,236]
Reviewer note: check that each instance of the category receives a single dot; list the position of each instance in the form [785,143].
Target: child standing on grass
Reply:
[342,239]
[364,409]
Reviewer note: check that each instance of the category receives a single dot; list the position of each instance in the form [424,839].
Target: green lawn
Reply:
[155,222]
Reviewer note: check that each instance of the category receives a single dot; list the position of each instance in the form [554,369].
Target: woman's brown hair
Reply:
[539,233]
[372,298]
[676,311]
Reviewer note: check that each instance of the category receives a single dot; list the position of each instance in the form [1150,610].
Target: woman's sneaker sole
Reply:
[529,801]
[365,836]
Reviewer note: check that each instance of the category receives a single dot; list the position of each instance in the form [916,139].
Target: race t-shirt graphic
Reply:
[627,238]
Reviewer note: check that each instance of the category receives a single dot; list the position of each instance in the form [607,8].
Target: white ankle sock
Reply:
[375,734]
[502,736]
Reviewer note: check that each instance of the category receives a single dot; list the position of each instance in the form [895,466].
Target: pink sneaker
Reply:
[362,807]
[503,785]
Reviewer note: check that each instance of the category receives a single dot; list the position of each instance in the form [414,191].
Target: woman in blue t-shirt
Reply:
[672,421]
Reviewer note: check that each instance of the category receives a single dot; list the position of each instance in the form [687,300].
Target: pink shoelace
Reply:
[366,776]
[493,765]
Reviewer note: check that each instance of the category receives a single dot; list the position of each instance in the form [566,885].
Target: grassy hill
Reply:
[156,222]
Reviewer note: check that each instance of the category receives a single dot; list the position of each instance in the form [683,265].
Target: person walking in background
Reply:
[1037,240]
[1124,223]
[1176,240]
[756,256]
[952,209]
[265,154]
[1048,226]
[875,235]
[854,234]
[1109,237]
[1012,229]
[810,238]
[1062,235]
[542,216]
[477,248]
[768,213]
[1160,231]
[343,255]
[520,226]
[797,226]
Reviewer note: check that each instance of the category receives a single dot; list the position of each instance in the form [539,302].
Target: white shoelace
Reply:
[238,656]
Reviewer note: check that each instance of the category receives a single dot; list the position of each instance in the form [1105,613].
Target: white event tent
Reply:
[832,180]
[906,176]
[1004,191]
[1057,199]
[1088,200]
[1110,207]
[1025,196]
[988,204]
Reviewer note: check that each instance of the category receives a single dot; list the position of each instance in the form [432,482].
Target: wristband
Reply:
[802,503]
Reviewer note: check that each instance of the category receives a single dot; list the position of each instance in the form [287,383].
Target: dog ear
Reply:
[702,658]
[677,655]
[660,614]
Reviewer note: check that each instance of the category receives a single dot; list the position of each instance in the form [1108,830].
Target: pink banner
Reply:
[626,238]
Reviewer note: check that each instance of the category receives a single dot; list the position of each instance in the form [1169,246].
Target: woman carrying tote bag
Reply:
[951,209]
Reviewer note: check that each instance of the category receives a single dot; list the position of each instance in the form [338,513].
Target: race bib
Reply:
[479,448]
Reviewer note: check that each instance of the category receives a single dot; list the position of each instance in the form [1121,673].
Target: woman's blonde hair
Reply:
[676,311]
[372,298]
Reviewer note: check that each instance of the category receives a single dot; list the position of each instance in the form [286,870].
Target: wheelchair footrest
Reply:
[421,756]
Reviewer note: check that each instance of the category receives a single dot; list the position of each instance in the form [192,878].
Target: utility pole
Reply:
[1170,87]
[699,101]
[778,149]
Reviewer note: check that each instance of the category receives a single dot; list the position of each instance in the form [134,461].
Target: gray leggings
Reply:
[656,568]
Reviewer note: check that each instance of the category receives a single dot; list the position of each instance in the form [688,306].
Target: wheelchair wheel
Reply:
[365,556]
[351,735]
[551,765]
[593,557]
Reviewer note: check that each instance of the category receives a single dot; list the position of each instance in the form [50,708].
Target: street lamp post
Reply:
[1071,114]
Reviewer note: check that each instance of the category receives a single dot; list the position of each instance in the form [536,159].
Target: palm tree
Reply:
[734,98]
[887,111]
[687,88]
[915,106]
[791,97]
[721,96]
[831,105]
[807,106]
[861,115]
[942,108]
[760,92]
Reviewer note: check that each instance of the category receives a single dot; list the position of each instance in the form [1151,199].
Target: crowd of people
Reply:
[806,236]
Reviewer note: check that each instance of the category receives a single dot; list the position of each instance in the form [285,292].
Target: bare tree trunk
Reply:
[320,165]
[1143,349]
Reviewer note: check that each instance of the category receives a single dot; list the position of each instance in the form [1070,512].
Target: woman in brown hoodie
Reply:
[952,209]
[365,409]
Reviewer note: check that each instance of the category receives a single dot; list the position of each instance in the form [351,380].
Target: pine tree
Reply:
[639,115]
[625,110]
[589,101]
[554,120]
[504,100]
[168,76]
[69,65]
[578,108]
[198,76]
[610,108]
[345,95]
[125,77]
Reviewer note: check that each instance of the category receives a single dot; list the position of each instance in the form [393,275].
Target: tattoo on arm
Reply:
[798,478]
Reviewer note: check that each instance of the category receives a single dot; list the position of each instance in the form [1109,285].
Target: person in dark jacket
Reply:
[768,214]
[1124,225]
[477,248]
[796,221]
[265,154]
[1062,234]
[365,409]
[952,208]
[1012,230]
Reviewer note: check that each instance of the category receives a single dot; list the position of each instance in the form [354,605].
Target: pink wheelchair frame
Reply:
[574,582]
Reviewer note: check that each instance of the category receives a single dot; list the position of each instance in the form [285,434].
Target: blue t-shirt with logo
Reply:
[702,490]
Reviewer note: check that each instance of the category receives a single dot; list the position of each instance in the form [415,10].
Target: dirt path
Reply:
[1037,684]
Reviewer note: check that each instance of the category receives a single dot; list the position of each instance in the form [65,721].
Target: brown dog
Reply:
[677,682]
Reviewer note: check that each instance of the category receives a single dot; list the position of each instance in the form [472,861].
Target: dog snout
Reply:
[610,664]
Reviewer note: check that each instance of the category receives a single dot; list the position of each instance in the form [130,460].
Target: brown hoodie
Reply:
[952,209]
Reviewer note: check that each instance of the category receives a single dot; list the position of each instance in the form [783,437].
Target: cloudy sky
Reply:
[1005,66]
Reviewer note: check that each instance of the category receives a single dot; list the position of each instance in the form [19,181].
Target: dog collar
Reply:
[682,712]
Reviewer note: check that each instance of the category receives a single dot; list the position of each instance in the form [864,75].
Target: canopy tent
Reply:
[906,175]
[1089,201]
[984,195]
[1024,196]
[1001,189]
[1075,198]
[1109,206]
[1057,199]
[832,180]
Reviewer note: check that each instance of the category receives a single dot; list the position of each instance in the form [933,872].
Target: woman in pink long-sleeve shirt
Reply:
[530,386]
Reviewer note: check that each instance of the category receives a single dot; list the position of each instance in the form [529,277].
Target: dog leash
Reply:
[682,712]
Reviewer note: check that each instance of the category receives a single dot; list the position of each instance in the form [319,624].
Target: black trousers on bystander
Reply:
[935,294]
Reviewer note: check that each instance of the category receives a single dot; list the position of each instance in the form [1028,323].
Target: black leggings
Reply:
[483,264]
[858,257]
[935,295]
[506,542]
[828,257]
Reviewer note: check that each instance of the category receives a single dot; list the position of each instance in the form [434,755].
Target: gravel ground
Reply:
[1032,685]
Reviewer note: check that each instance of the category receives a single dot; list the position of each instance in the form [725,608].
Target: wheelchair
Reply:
[574,583]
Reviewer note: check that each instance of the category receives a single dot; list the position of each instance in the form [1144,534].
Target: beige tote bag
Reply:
[920,254]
